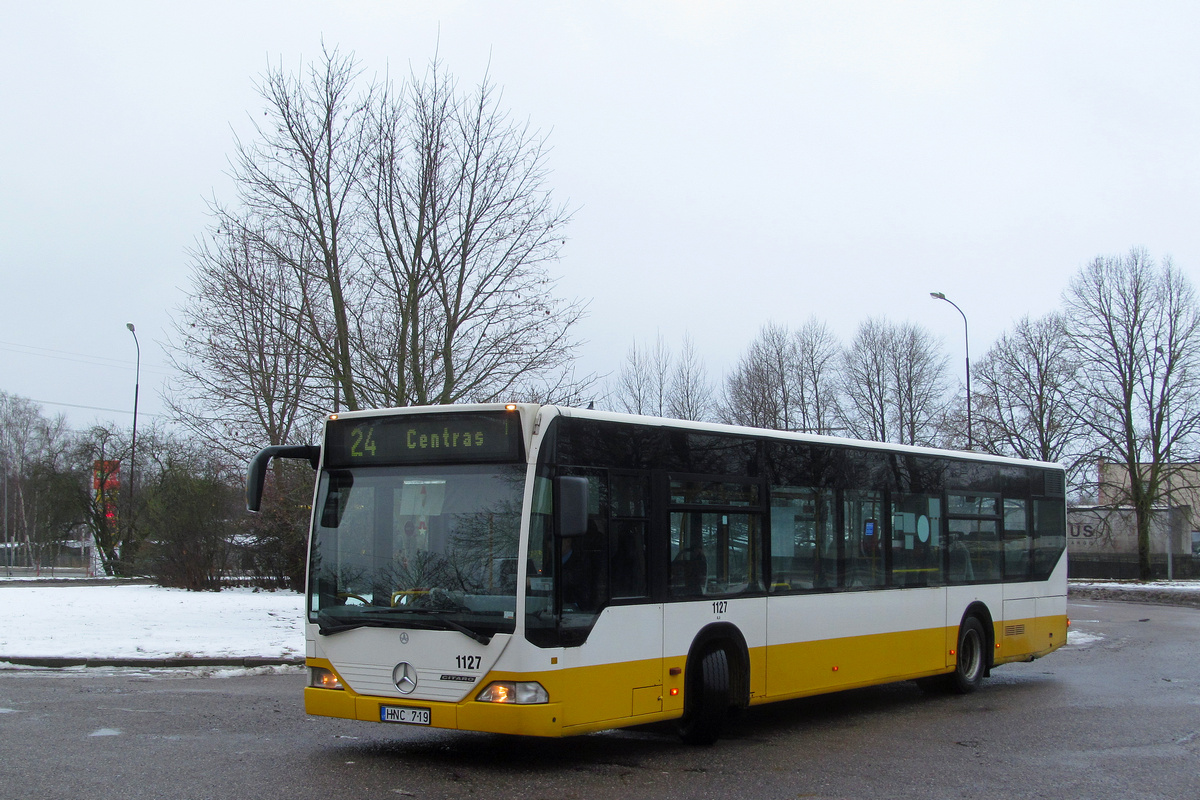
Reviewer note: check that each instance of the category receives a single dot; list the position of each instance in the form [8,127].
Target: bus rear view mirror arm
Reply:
[571,505]
[257,472]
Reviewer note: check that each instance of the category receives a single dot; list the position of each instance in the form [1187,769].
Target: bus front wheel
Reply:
[708,699]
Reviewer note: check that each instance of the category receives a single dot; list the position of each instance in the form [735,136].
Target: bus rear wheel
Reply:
[707,700]
[972,652]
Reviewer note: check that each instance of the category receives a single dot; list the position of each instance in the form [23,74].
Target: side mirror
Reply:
[571,505]
[256,474]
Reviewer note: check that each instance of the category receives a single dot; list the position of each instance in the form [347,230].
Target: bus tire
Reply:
[972,657]
[707,700]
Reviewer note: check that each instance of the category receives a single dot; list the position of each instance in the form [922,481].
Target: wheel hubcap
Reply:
[970,654]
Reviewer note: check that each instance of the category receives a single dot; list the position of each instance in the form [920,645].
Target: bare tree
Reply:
[893,383]
[761,390]
[918,368]
[785,380]
[390,246]
[246,378]
[463,230]
[33,453]
[297,181]
[866,383]
[690,395]
[653,381]
[635,384]
[1022,396]
[1134,328]
[100,456]
[817,351]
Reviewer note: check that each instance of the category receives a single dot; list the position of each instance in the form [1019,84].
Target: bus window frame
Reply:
[759,509]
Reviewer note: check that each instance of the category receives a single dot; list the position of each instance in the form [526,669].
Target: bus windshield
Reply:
[417,547]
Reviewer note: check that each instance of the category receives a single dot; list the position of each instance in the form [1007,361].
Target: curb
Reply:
[29,583]
[1147,594]
[248,662]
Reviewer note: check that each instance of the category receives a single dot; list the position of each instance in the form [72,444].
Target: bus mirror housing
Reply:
[256,474]
[571,506]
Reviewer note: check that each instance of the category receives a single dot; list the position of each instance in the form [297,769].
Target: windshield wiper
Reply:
[445,623]
[392,622]
[379,622]
[458,626]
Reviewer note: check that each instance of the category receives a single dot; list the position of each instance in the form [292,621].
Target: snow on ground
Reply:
[1079,638]
[149,622]
[1172,593]
[1138,586]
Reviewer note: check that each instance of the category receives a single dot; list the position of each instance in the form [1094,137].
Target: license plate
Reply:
[404,714]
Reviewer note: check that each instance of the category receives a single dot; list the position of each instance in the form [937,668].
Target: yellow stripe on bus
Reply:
[611,695]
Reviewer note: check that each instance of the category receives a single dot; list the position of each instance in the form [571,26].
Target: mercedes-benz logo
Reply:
[405,677]
[403,638]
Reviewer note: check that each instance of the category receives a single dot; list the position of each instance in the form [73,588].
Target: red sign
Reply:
[106,476]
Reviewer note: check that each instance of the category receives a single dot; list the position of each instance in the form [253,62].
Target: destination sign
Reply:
[487,436]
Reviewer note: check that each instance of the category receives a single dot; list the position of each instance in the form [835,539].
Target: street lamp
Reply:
[1170,480]
[137,378]
[967,341]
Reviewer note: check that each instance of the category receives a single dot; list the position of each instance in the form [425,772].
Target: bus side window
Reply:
[862,533]
[627,550]
[583,560]
[628,566]
[689,561]
[916,540]
[975,551]
[1050,535]
[541,625]
[803,547]
[1017,540]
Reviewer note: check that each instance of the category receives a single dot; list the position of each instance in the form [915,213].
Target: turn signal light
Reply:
[514,692]
[321,678]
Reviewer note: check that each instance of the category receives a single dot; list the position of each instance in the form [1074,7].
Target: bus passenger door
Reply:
[715,585]
[611,622]
[635,620]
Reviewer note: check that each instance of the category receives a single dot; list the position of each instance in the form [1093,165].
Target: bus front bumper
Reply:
[541,719]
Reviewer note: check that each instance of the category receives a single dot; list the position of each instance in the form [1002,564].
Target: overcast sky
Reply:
[729,163]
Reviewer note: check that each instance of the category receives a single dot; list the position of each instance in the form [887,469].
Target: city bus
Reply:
[550,571]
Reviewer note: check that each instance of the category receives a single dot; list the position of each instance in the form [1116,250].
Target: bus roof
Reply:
[530,410]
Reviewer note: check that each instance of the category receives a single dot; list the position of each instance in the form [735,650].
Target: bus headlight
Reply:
[518,692]
[321,678]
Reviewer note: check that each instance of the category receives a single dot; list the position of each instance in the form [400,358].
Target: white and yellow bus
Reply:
[551,571]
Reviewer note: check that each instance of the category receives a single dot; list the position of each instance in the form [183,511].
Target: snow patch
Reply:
[1138,586]
[149,622]
[1082,638]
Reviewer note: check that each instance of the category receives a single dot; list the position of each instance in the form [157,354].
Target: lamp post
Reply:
[1170,480]
[137,378]
[967,342]
[1170,505]
[7,548]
